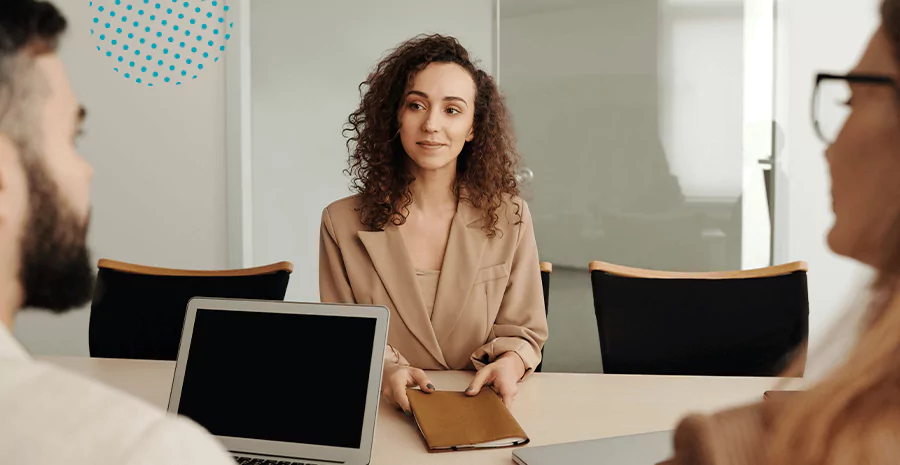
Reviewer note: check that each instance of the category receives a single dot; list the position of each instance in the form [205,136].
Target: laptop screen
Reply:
[279,377]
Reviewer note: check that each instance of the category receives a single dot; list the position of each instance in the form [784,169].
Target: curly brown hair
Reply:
[377,163]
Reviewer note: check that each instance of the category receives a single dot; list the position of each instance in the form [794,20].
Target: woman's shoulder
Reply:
[514,210]
[350,203]
[510,217]
[512,200]
[343,212]
[739,433]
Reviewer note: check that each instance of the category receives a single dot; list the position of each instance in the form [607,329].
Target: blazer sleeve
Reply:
[334,285]
[521,323]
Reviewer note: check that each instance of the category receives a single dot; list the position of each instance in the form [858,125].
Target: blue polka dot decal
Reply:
[160,42]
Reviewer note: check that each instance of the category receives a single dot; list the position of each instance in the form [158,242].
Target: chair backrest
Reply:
[546,271]
[138,311]
[741,323]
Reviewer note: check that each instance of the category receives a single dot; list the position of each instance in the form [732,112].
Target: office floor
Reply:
[574,346]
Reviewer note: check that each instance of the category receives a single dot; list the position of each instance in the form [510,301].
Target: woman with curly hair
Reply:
[436,231]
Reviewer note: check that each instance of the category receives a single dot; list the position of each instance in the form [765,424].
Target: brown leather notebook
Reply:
[451,421]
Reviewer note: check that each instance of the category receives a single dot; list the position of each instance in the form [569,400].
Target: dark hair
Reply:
[29,23]
[28,29]
[890,20]
[377,162]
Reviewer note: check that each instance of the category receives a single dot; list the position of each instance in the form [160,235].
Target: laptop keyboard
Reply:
[252,461]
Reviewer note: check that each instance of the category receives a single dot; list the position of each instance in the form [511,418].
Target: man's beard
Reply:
[56,272]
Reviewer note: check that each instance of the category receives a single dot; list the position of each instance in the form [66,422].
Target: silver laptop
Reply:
[639,449]
[281,382]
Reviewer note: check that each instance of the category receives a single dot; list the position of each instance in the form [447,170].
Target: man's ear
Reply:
[13,186]
[11,175]
[9,154]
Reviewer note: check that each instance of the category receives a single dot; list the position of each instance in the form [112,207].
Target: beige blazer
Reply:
[489,298]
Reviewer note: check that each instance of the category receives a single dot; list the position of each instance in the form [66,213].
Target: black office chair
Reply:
[742,323]
[138,311]
[546,271]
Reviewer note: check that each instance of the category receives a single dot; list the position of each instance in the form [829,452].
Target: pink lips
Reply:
[430,145]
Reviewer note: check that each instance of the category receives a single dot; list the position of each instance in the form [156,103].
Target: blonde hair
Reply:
[853,415]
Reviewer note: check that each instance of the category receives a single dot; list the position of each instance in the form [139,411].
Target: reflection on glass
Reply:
[631,114]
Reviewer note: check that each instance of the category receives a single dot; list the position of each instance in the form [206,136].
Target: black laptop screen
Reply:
[279,377]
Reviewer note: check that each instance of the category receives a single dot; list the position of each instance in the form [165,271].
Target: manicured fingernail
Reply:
[430,386]
[408,413]
[470,389]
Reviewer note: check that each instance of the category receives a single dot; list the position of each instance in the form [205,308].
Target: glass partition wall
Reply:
[646,128]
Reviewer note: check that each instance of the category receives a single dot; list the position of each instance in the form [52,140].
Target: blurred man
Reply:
[48,416]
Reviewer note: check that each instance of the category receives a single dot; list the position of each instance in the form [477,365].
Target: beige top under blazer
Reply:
[489,297]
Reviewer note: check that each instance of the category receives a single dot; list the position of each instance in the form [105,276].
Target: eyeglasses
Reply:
[831,98]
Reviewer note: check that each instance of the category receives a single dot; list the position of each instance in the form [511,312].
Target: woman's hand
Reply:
[503,375]
[398,378]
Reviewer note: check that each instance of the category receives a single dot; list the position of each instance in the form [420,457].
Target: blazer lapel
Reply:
[394,267]
[462,259]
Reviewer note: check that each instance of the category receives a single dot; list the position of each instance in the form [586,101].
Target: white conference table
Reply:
[552,408]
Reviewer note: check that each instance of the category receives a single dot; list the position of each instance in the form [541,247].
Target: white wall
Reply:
[307,60]
[159,183]
[814,35]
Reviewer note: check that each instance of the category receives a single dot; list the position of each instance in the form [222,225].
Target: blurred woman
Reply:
[853,415]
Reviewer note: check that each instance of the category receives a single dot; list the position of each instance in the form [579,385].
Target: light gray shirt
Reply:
[51,416]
